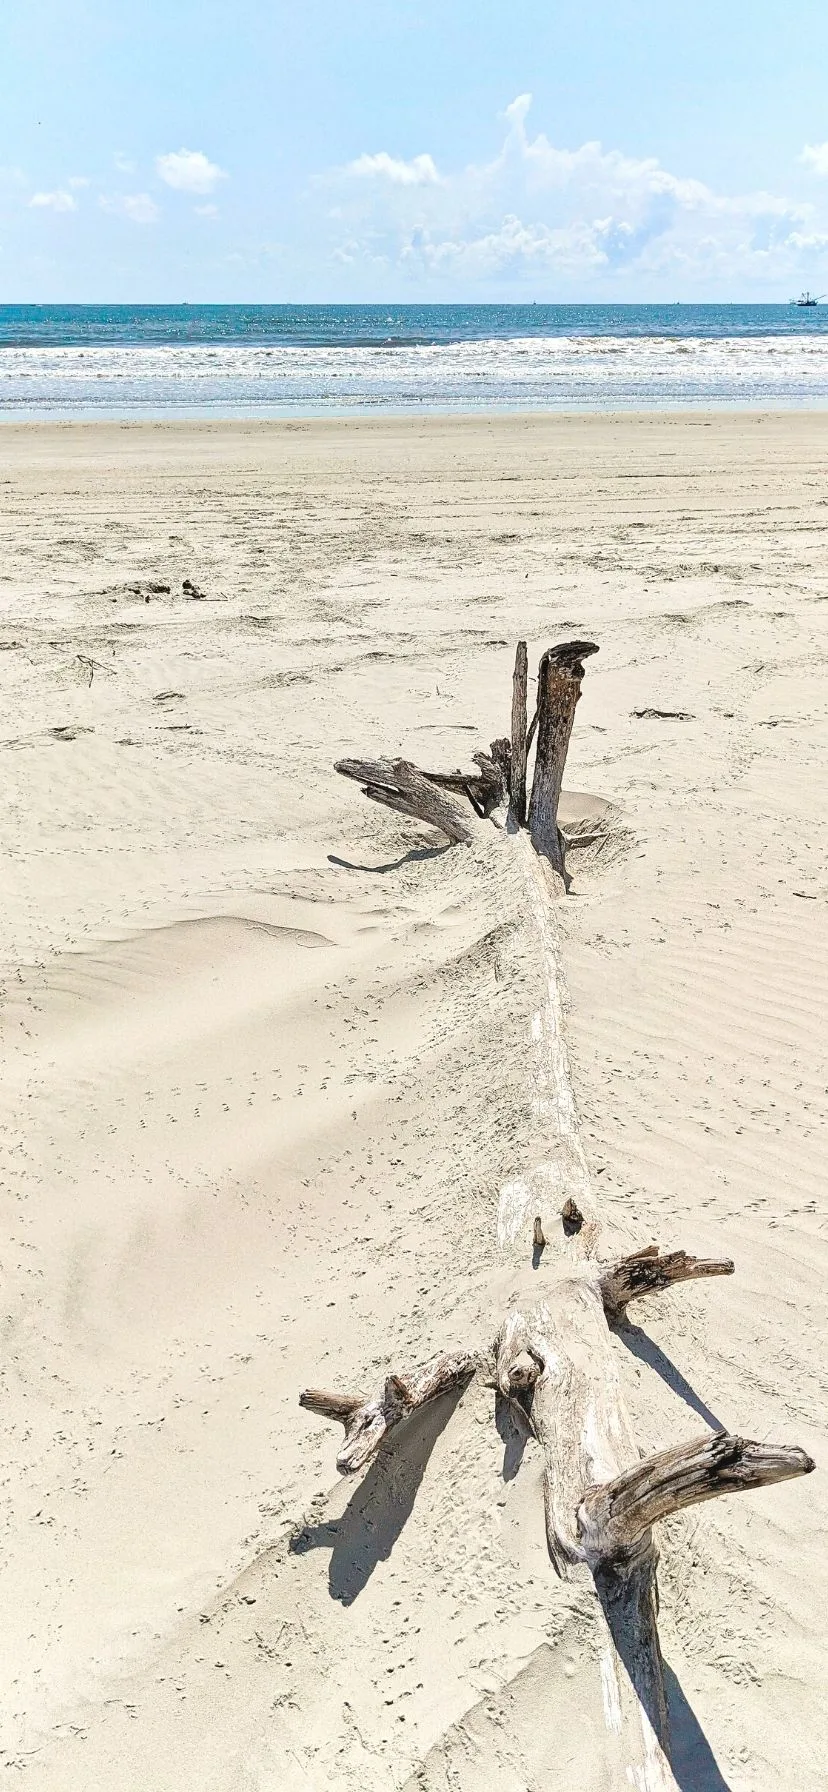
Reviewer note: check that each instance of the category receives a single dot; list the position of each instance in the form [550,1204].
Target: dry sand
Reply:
[265,1071]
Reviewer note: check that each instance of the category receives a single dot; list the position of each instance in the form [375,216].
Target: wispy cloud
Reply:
[123,163]
[138,206]
[815,157]
[189,171]
[58,201]
[589,215]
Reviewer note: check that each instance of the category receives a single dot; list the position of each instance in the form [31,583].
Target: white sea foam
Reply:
[559,372]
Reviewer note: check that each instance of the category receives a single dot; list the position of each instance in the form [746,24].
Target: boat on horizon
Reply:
[808,299]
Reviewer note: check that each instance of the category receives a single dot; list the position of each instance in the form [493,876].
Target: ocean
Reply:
[134,361]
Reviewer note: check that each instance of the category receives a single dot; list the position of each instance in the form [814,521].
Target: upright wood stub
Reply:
[559,687]
[520,744]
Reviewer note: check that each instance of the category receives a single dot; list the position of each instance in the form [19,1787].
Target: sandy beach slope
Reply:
[265,1071]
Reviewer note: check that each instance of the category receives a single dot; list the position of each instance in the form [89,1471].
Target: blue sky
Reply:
[412,150]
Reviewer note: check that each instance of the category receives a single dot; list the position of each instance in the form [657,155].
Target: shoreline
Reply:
[290,414]
[210,422]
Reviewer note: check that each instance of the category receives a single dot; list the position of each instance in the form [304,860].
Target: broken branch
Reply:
[367,1421]
[616,1518]
[559,688]
[646,1272]
[399,785]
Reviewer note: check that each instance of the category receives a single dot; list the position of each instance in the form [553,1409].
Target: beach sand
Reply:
[266,1069]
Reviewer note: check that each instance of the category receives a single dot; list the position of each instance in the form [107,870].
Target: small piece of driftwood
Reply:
[399,785]
[663,715]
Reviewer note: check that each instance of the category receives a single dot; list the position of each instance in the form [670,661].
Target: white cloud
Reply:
[815,157]
[137,206]
[78,180]
[576,247]
[189,171]
[419,172]
[206,211]
[588,219]
[123,163]
[59,201]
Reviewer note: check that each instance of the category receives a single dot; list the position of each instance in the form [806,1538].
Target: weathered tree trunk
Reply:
[553,1354]
[556,1189]
[559,688]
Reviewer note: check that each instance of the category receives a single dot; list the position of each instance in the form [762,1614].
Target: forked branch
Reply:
[367,1421]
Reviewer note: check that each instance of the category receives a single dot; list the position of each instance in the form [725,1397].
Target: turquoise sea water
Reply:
[259,360]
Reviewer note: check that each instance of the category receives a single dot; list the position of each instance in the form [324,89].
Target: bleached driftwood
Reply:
[554,1361]
[552,1358]
[647,1272]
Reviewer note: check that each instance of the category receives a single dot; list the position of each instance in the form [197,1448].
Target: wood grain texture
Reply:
[648,1272]
[399,785]
[615,1520]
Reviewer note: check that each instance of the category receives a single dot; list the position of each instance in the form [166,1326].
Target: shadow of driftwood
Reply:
[380,1506]
[652,1354]
[413,857]
[694,1764]
[513,1435]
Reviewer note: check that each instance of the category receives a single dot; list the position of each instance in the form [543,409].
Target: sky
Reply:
[412,150]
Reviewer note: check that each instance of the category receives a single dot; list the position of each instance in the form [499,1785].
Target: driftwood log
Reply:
[552,1357]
